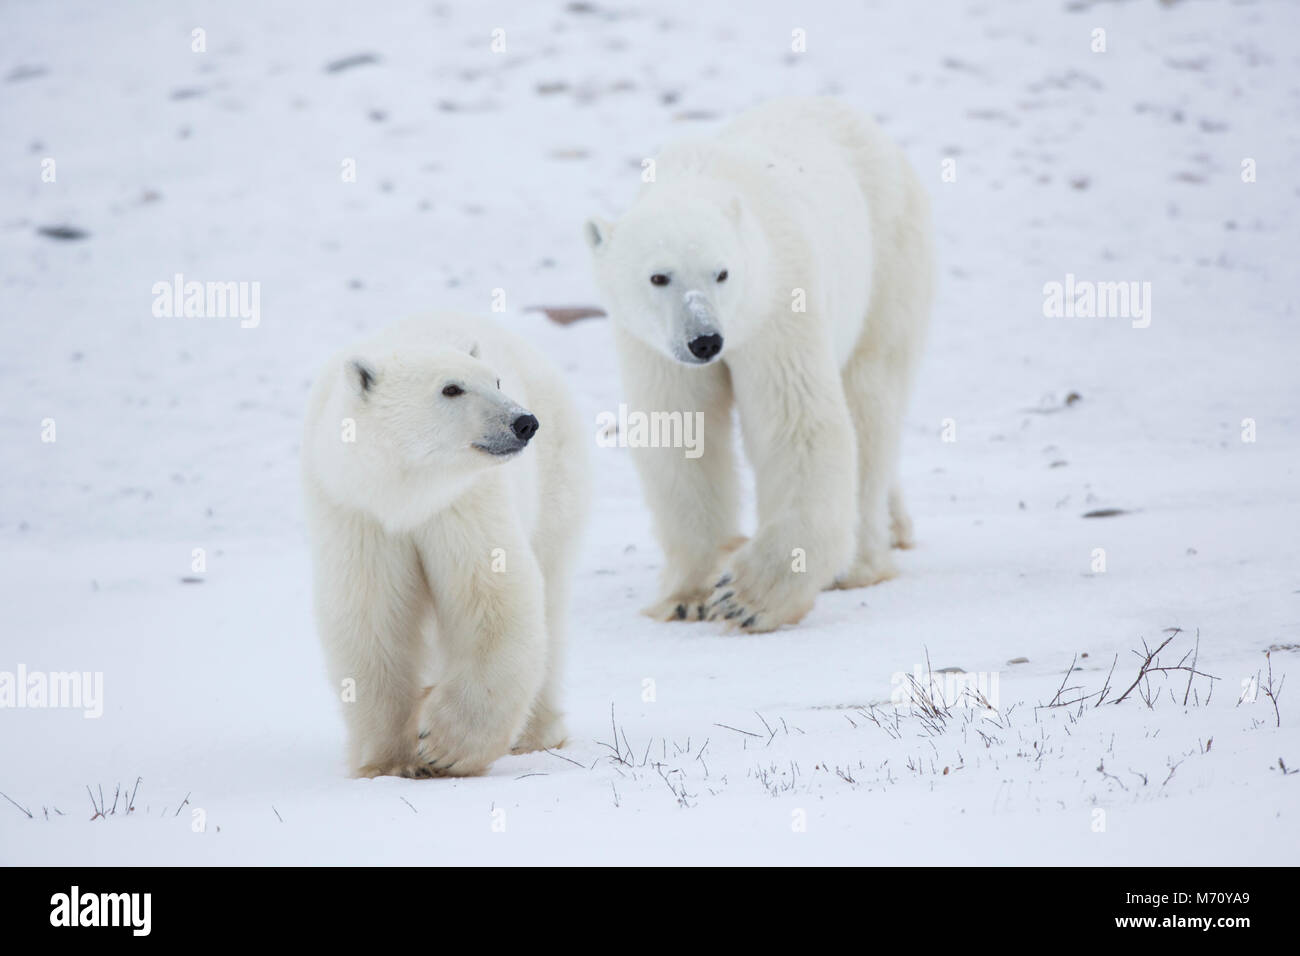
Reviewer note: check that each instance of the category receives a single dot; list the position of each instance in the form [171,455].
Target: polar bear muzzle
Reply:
[504,443]
[704,347]
[699,328]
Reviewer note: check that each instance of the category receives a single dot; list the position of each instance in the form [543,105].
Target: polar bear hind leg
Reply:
[555,544]
[900,523]
[878,378]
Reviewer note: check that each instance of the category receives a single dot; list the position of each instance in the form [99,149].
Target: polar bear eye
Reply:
[451,391]
[722,276]
[659,279]
[498,383]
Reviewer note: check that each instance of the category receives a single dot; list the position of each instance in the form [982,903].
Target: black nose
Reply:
[706,346]
[524,427]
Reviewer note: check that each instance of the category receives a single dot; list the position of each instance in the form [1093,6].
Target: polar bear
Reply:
[445,477]
[783,267]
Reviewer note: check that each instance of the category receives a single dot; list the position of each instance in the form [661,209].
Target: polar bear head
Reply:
[418,427]
[676,270]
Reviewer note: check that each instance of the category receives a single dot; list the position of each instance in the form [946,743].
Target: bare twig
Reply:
[1151,665]
[736,729]
[1056,698]
[562,757]
[1269,691]
[1106,687]
[1146,663]
[18,805]
[1196,652]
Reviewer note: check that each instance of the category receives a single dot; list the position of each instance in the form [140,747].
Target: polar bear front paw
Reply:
[449,743]
[691,602]
[752,596]
[685,606]
[414,770]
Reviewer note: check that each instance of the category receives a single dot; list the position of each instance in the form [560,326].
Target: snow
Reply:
[474,172]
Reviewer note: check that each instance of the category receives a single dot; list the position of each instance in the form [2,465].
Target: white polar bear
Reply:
[784,266]
[443,535]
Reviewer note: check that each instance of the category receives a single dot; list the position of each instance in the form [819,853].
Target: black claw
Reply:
[700,611]
[749,620]
[733,613]
[681,612]
[723,581]
[423,735]
[729,594]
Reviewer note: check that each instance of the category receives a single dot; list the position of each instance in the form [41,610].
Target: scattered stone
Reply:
[694,115]
[349,62]
[63,233]
[20,73]
[567,315]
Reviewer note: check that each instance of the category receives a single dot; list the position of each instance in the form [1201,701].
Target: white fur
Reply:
[453,662]
[799,194]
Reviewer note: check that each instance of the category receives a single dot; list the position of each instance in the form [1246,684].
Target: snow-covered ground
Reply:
[474,170]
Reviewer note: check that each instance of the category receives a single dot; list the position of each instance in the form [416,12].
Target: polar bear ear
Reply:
[597,232]
[362,375]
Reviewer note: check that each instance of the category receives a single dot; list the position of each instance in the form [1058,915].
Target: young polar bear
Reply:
[784,267]
[443,534]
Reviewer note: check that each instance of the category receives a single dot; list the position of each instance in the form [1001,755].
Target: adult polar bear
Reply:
[785,266]
[443,537]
